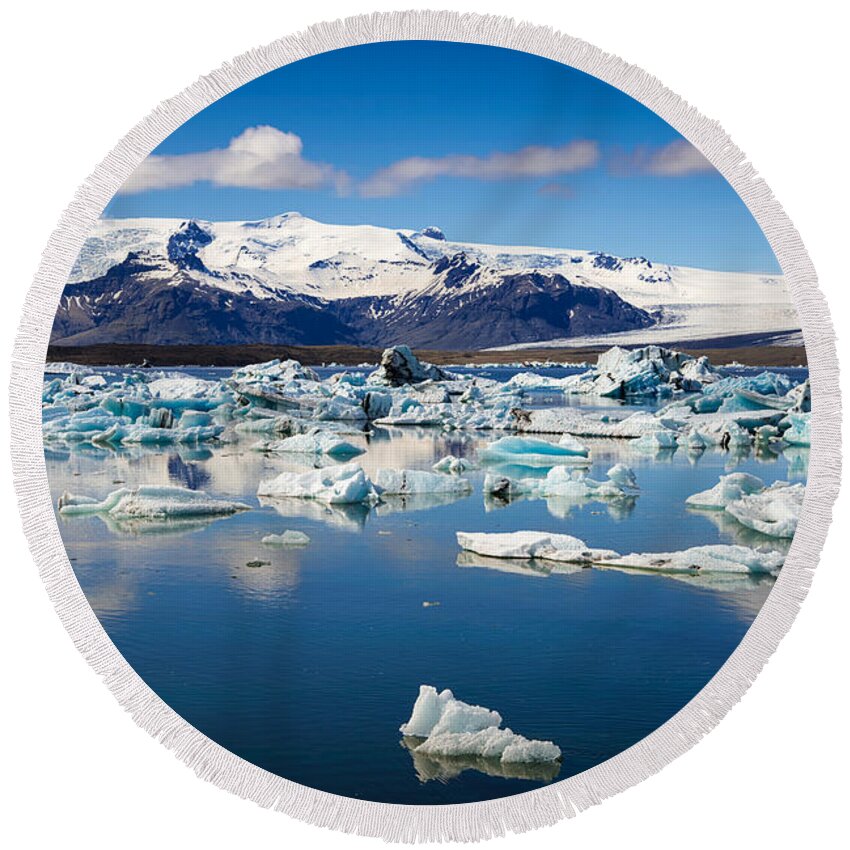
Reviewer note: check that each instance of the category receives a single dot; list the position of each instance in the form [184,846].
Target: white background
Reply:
[76,77]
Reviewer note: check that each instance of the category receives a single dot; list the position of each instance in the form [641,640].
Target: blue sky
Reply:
[489,144]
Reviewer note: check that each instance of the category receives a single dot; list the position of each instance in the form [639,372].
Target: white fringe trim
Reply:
[472,821]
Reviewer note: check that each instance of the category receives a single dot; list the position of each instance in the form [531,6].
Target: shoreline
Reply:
[348,355]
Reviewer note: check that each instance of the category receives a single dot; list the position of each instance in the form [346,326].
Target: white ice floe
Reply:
[561,482]
[774,511]
[288,538]
[453,465]
[279,425]
[719,558]
[403,482]
[149,502]
[315,441]
[623,476]
[338,485]
[528,451]
[730,488]
[532,544]
[451,727]
[655,440]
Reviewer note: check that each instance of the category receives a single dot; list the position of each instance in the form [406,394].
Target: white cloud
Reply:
[259,158]
[676,159]
[531,162]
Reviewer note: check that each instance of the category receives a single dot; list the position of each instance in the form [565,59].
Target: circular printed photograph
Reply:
[426,422]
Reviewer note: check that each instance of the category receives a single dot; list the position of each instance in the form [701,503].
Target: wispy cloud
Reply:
[676,159]
[258,158]
[530,162]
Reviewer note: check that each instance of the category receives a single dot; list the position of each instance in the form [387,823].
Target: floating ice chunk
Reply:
[623,476]
[532,544]
[695,441]
[266,425]
[575,484]
[727,490]
[774,511]
[149,502]
[567,420]
[451,727]
[314,441]
[528,451]
[800,432]
[147,435]
[288,538]
[454,465]
[649,371]
[178,387]
[338,485]
[377,404]
[416,414]
[194,419]
[400,366]
[724,559]
[403,482]
[560,483]
[654,440]
[507,489]
[339,409]
[569,443]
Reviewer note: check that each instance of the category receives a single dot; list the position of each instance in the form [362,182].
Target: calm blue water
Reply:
[308,665]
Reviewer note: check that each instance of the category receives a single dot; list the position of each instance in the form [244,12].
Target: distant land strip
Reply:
[349,355]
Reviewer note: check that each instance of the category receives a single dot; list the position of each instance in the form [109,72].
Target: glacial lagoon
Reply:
[306,659]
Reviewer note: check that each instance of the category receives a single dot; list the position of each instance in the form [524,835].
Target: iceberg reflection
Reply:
[446,768]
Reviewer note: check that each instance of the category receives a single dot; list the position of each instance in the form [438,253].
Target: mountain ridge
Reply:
[292,280]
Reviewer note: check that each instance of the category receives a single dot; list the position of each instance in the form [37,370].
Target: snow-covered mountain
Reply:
[289,279]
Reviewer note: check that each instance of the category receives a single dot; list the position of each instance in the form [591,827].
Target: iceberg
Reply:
[654,440]
[648,371]
[452,728]
[400,366]
[718,558]
[404,482]
[800,431]
[315,441]
[561,482]
[149,502]
[288,538]
[729,489]
[280,425]
[623,476]
[532,544]
[528,451]
[774,511]
[339,485]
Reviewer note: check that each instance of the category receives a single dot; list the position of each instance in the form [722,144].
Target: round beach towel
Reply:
[426,410]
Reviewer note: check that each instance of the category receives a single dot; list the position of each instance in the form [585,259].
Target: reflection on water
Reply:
[520,566]
[334,635]
[446,768]
[149,525]
[347,517]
